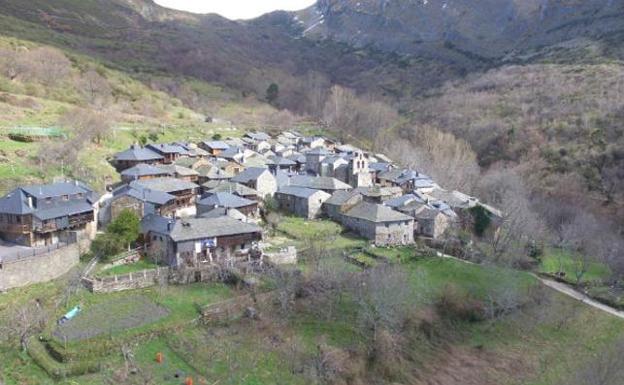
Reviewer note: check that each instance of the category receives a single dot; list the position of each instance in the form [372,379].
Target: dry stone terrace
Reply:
[206,188]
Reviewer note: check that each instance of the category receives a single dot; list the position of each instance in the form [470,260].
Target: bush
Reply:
[456,305]
[106,245]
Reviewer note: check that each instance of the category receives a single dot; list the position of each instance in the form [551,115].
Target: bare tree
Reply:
[449,160]
[605,369]
[24,321]
[95,88]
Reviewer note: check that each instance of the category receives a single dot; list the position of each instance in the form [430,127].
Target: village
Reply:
[207,203]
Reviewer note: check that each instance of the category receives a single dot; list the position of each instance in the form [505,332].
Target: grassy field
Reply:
[557,260]
[129,268]
[538,346]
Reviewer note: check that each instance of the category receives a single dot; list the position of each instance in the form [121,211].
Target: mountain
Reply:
[482,30]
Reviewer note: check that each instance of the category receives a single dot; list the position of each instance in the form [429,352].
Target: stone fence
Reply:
[233,308]
[41,267]
[161,275]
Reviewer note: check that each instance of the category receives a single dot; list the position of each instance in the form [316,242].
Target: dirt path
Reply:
[563,289]
[570,292]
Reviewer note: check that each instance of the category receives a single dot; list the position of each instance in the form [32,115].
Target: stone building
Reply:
[380,224]
[229,201]
[303,202]
[259,179]
[195,241]
[49,214]
[134,156]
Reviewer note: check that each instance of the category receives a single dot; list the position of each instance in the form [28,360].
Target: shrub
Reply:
[106,245]
[455,305]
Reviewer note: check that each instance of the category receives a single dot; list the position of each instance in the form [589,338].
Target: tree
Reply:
[126,227]
[272,93]
[26,320]
[106,245]
[604,369]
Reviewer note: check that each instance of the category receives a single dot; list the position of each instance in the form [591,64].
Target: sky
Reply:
[236,9]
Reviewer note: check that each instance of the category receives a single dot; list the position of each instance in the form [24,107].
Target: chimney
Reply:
[30,202]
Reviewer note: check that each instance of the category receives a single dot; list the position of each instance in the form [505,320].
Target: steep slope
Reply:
[481,29]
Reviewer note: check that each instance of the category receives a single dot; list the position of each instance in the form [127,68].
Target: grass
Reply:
[393,254]
[557,260]
[301,228]
[141,265]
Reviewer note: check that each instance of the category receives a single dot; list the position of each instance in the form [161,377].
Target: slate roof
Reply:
[155,223]
[190,229]
[216,145]
[223,211]
[231,152]
[379,166]
[16,202]
[179,170]
[300,192]
[401,201]
[143,169]
[225,199]
[249,174]
[341,197]
[164,184]
[279,161]
[62,209]
[258,136]
[212,172]
[233,188]
[164,148]
[144,194]
[137,153]
[319,183]
[319,151]
[376,213]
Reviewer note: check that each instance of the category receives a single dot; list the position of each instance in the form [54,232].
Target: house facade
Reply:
[303,202]
[259,179]
[380,224]
[43,215]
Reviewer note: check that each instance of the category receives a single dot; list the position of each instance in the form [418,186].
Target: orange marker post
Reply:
[159,357]
[189,381]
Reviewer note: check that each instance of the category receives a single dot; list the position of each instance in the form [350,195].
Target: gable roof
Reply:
[143,169]
[376,213]
[300,192]
[179,170]
[233,188]
[225,199]
[258,135]
[167,185]
[250,174]
[202,228]
[137,153]
[341,197]
[402,200]
[144,194]
[165,148]
[280,161]
[216,145]
[319,183]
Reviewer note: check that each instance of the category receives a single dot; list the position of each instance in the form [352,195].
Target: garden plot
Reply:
[111,317]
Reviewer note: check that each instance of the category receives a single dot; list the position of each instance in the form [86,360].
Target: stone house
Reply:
[191,242]
[140,201]
[185,192]
[180,172]
[136,155]
[340,202]
[327,184]
[228,201]
[380,224]
[214,147]
[303,202]
[212,173]
[170,152]
[278,163]
[314,157]
[232,188]
[143,171]
[259,179]
[49,214]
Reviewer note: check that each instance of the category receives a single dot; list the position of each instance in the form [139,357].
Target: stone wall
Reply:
[42,267]
[286,256]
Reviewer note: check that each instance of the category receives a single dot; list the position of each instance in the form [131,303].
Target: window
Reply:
[65,197]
